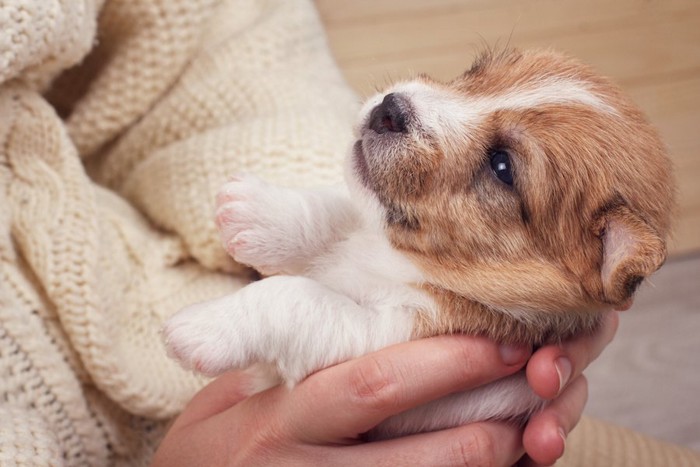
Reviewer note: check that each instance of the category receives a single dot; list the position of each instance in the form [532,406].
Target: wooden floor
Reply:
[651,47]
[648,379]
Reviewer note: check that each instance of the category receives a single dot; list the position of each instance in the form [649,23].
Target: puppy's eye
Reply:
[502,167]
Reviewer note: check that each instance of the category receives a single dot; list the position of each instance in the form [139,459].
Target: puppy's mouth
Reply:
[360,163]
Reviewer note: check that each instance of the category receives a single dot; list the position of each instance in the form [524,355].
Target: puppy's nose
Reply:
[390,115]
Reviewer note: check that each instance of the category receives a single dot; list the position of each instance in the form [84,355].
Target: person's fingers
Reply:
[339,403]
[483,443]
[545,434]
[552,367]
[219,395]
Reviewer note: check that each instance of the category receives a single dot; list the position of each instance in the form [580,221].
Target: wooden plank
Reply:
[502,13]
[673,106]
[651,47]
[671,47]
[398,33]
[685,238]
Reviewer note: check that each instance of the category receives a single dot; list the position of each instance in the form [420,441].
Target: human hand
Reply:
[554,373]
[319,421]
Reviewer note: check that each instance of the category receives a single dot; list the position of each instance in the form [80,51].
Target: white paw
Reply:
[253,219]
[202,341]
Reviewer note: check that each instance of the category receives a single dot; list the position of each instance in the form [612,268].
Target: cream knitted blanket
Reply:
[118,122]
[108,173]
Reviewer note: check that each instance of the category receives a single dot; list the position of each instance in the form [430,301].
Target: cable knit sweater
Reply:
[118,122]
[108,175]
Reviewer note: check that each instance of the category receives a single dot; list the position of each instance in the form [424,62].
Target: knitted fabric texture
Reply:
[40,38]
[107,186]
[108,172]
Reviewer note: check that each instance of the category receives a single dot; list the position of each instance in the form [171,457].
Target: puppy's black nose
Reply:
[390,115]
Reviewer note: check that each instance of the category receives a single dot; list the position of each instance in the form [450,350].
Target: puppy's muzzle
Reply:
[392,115]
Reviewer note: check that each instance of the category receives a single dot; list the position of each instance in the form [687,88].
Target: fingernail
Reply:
[514,354]
[563,367]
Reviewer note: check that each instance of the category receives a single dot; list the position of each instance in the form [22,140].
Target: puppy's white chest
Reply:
[367,269]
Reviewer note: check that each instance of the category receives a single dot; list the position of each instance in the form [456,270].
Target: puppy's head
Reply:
[529,184]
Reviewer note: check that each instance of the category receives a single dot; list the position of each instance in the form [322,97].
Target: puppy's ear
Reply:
[632,250]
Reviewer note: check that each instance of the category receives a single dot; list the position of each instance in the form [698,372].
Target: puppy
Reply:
[518,201]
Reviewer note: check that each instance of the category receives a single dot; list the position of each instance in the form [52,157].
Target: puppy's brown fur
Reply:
[584,223]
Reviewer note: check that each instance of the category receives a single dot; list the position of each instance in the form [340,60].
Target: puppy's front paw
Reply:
[198,338]
[253,219]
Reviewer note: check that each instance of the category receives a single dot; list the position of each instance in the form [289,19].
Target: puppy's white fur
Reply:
[345,290]
[457,111]
[356,295]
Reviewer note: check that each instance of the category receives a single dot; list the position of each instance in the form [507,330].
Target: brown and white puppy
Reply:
[518,202]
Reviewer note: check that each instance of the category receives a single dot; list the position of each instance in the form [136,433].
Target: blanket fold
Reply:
[107,197]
